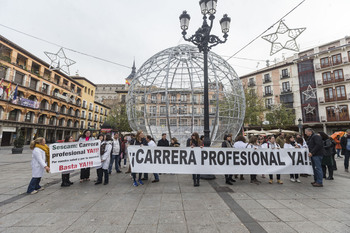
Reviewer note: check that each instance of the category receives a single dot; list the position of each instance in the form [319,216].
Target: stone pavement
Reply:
[172,205]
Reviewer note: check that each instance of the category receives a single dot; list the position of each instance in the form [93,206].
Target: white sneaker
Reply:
[34,192]
[124,166]
[298,181]
[292,179]
[41,189]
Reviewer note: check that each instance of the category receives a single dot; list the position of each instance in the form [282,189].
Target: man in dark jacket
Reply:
[316,152]
[163,141]
[345,147]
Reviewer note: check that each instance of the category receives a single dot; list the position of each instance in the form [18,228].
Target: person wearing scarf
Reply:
[85,172]
[40,161]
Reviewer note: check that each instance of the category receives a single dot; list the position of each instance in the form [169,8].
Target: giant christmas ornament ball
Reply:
[166,96]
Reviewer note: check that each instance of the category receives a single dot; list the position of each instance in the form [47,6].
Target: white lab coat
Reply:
[106,157]
[240,144]
[38,162]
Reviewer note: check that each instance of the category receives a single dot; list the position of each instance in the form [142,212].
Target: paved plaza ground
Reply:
[172,205]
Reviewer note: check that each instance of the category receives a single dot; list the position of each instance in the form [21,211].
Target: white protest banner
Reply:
[74,155]
[208,160]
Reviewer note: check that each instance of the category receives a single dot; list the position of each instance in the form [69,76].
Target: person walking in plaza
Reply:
[253,143]
[40,161]
[66,174]
[152,143]
[105,152]
[194,141]
[345,145]
[227,143]
[116,152]
[85,172]
[316,152]
[327,161]
[289,145]
[271,144]
[139,140]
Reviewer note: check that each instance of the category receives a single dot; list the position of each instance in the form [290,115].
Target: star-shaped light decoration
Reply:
[338,109]
[309,109]
[283,38]
[310,93]
[59,61]
[276,107]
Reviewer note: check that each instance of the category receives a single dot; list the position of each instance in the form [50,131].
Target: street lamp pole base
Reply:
[208,177]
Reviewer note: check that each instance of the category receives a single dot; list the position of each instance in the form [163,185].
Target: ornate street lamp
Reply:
[205,41]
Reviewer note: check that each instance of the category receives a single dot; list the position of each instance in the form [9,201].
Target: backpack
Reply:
[348,144]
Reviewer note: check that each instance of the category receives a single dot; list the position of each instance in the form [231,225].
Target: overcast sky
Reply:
[120,30]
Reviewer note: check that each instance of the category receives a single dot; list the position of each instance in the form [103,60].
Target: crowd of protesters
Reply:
[113,151]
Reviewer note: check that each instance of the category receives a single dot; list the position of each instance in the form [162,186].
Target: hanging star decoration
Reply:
[276,107]
[309,109]
[310,93]
[338,109]
[59,61]
[283,38]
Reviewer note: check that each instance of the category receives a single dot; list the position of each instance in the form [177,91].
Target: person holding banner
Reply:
[253,143]
[289,145]
[271,143]
[151,142]
[105,151]
[139,140]
[194,141]
[65,175]
[40,153]
[85,172]
[225,144]
[240,142]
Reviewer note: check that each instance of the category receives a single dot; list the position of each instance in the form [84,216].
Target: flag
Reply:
[127,82]
[8,91]
[15,93]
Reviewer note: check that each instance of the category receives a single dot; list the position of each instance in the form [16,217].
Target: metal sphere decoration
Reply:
[166,96]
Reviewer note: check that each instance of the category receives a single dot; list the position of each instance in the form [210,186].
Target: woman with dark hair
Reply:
[253,143]
[289,145]
[271,144]
[227,143]
[327,161]
[105,152]
[139,140]
[65,175]
[85,172]
[174,142]
[240,142]
[194,141]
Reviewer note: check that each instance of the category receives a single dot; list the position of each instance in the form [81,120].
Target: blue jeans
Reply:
[317,167]
[338,152]
[115,158]
[346,159]
[34,184]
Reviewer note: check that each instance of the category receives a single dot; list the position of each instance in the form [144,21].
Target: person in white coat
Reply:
[150,142]
[271,144]
[106,148]
[39,165]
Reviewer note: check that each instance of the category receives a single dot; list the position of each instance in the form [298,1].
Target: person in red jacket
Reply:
[338,146]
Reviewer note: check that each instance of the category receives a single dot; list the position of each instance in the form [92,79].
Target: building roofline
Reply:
[101,104]
[266,69]
[83,78]
[47,65]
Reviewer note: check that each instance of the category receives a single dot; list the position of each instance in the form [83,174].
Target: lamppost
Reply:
[204,41]
[300,126]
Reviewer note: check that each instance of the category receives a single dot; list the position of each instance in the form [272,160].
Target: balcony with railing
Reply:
[284,75]
[286,90]
[267,79]
[265,94]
